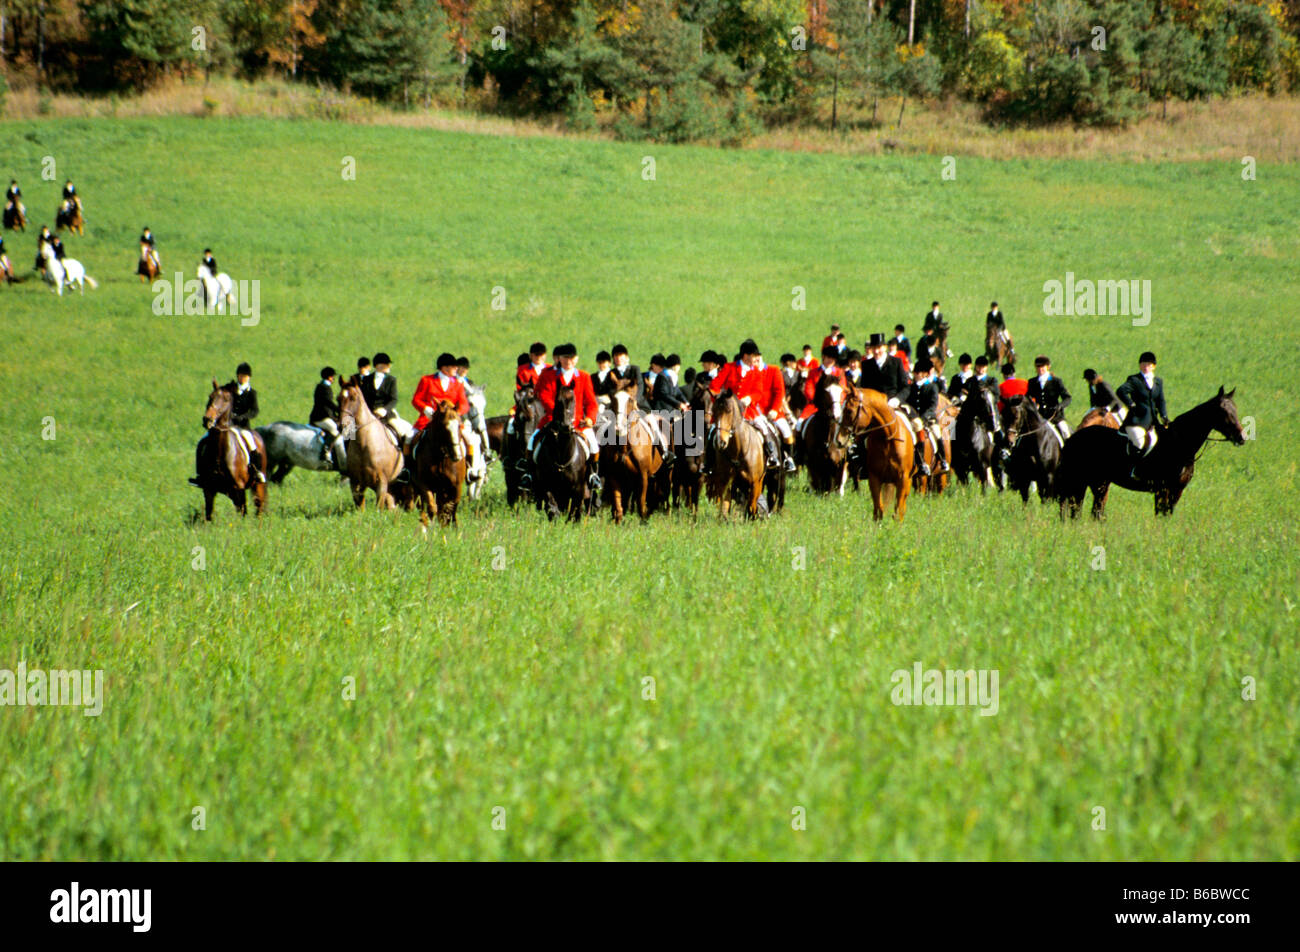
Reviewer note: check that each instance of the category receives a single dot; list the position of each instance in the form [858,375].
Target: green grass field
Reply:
[522,687]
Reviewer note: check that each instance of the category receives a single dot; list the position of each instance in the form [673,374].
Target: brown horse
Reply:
[374,460]
[1099,416]
[69,216]
[885,450]
[738,457]
[632,463]
[148,267]
[438,471]
[15,219]
[998,347]
[937,481]
[223,464]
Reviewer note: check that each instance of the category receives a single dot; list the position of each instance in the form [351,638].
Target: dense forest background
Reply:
[677,70]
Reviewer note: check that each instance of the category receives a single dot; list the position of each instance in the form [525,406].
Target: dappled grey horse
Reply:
[299,444]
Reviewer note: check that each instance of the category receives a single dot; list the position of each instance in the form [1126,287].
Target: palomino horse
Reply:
[15,217]
[975,447]
[884,447]
[438,471]
[374,460]
[69,216]
[632,463]
[1035,450]
[561,478]
[998,347]
[223,466]
[738,458]
[1098,456]
[60,274]
[1100,416]
[689,468]
[149,266]
[823,443]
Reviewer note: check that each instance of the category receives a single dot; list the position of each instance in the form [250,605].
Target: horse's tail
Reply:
[91,281]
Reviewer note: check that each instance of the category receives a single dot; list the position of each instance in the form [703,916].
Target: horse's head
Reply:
[726,416]
[624,400]
[447,420]
[562,417]
[1225,417]
[217,411]
[1013,417]
[351,406]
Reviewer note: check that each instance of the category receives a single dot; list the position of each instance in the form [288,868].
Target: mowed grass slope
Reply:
[522,687]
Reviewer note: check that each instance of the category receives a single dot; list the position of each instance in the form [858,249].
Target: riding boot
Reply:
[788,457]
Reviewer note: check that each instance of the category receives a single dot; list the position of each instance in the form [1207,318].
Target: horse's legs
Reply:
[877,504]
[642,508]
[240,498]
[259,497]
[1099,493]
[358,493]
[209,497]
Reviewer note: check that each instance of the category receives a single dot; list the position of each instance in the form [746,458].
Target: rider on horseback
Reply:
[1049,394]
[243,408]
[667,404]
[379,390]
[995,329]
[1143,393]
[923,400]
[209,262]
[325,410]
[14,194]
[530,372]
[70,194]
[1101,396]
[957,387]
[446,385]
[476,421]
[56,245]
[147,241]
[585,408]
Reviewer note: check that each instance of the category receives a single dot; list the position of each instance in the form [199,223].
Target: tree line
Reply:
[680,70]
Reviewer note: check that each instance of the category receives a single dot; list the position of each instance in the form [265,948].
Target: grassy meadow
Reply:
[504,664]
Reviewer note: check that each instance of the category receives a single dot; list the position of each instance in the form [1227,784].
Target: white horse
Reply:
[218,291]
[68,271]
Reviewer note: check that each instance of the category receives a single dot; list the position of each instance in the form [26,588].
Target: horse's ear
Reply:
[215,385]
[1220,389]
[1230,392]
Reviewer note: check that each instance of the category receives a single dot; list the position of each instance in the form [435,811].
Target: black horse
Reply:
[514,442]
[560,480]
[823,443]
[1097,456]
[692,460]
[975,451]
[1035,450]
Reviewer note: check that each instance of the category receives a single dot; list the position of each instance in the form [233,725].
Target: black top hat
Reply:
[876,340]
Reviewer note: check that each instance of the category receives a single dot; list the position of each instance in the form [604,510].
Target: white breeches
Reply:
[1140,436]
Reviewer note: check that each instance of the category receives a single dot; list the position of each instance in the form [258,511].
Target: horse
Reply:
[496,431]
[794,395]
[883,449]
[224,466]
[299,444]
[218,290]
[1035,450]
[438,471]
[1098,456]
[1100,416]
[69,216]
[689,468]
[975,449]
[739,467]
[632,463]
[937,481]
[823,442]
[59,274]
[374,460]
[15,217]
[149,266]
[998,347]
[514,440]
[561,471]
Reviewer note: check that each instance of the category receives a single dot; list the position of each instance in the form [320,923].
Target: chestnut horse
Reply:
[1099,416]
[438,471]
[884,449]
[148,267]
[374,461]
[738,458]
[224,463]
[998,347]
[69,216]
[633,460]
